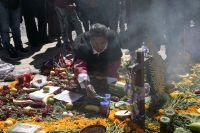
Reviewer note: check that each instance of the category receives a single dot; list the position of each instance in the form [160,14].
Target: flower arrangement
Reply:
[134,93]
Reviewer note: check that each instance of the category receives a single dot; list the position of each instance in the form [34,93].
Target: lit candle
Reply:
[20,79]
[104,107]
[27,76]
[164,125]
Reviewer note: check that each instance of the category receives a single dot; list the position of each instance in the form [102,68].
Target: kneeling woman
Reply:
[97,50]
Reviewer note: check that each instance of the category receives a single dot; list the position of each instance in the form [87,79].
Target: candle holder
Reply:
[104,107]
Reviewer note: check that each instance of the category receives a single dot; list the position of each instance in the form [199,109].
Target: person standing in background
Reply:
[113,12]
[175,21]
[137,25]
[156,17]
[10,19]
[30,10]
[83,13]
[65,10]
[53,22]
[98,11]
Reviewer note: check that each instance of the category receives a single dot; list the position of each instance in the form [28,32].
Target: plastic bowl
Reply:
[123,114]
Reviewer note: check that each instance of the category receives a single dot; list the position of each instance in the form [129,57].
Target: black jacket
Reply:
[83,49]
[10,4]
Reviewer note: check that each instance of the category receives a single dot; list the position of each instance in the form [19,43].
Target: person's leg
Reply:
[62,15]
[4,25]
[15,27]
[29,17]
[76,22]
[58,42]
[42,21]
[86,24]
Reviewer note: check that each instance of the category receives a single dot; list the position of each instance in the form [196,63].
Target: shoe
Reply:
[12,54]
[22,51]
[68,47]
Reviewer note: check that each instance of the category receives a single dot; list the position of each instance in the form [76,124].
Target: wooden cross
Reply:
[137,69]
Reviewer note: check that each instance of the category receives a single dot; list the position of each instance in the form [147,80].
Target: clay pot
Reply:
[94,129]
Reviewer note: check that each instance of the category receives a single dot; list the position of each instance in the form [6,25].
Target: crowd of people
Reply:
[163,20]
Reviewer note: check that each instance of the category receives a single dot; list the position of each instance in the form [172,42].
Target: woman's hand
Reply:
[90,91]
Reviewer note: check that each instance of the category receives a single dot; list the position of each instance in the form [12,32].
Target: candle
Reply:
[170,114]
[164,125]
[104,107]
[20,79]
[27,76]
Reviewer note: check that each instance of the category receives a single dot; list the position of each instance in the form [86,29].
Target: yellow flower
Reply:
[175,94]
[189,94]
[193,75]
[12,84]
[161,111]
[197,65]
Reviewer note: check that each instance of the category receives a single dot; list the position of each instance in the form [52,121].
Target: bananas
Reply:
[92,108]
[30,89]
[18,102]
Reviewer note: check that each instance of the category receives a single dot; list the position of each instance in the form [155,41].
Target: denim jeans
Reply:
[10,19]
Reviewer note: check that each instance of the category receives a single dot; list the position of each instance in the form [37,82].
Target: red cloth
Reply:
[80,67]
[63,3]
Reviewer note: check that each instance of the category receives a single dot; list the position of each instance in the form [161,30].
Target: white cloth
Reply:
[83,76]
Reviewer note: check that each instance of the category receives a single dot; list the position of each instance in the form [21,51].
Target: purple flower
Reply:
[145,49]
[141,93]
[130,100]
[130,58]
[124,72]
[136,111]
[127,87]
[135,97]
